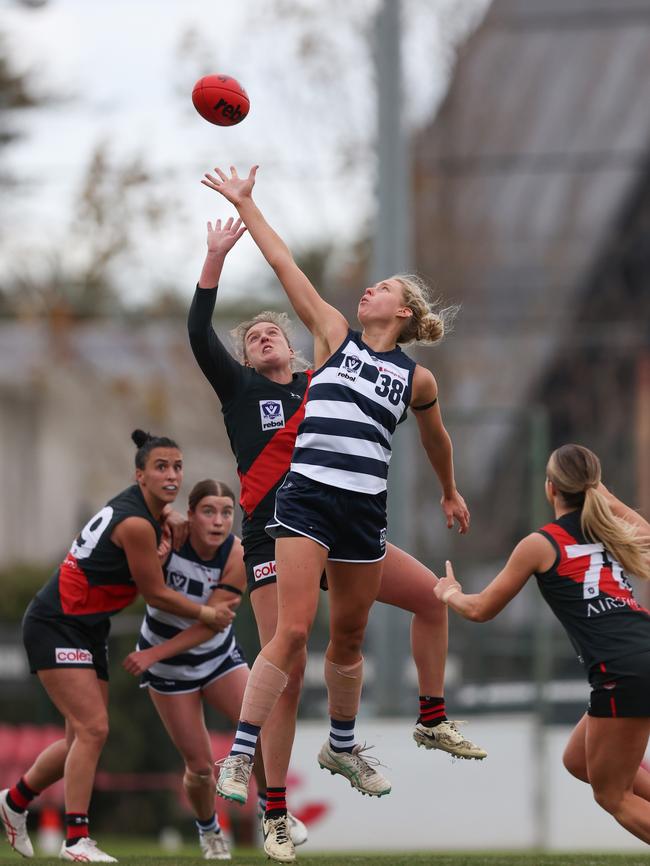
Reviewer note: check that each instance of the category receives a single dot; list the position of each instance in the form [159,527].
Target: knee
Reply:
[608,799]
[347,640]
[294,637]
[93,732]
[575,764]
[198,779]
[433,611]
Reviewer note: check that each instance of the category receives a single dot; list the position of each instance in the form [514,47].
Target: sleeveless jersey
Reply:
[194,578]
[94,581]
[589,593]
[261,418]
[354,404]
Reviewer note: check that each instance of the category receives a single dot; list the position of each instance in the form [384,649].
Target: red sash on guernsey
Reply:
[273,461]
[78,597]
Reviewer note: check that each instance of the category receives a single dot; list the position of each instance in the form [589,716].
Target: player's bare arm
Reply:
[136,536]
[437,444]
[223,603]
[533,554]
[325,322]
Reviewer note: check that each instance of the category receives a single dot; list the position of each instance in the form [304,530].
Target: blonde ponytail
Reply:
[598,523]
[575,472]
[426,325]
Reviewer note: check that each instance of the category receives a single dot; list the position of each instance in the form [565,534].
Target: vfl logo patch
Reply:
[350,367]
[65,655]
[271,414]
[264,569]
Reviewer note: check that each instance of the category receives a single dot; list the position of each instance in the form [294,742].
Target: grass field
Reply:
[143,853]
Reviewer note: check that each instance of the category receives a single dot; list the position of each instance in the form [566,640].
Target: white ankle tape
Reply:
[344,684]
[266,682]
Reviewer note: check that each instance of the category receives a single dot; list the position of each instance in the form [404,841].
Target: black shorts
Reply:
[621,688]
[235,659]
[352,526]
[64,642]
[260,567]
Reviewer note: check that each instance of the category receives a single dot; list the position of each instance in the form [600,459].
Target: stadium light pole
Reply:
[392,253]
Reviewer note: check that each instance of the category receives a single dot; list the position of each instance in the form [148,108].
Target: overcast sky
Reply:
[126,70]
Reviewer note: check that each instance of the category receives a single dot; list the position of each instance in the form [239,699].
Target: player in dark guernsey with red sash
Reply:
[581,561]
[65,631]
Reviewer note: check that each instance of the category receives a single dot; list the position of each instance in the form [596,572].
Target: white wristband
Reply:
[448,593]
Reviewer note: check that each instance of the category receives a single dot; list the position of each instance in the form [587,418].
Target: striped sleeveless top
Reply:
[195,579]
[354,404]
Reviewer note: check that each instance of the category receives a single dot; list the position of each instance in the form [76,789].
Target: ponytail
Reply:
[598,523]
[575,473]
[426,325]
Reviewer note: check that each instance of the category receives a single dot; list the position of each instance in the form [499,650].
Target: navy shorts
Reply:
[352,526]
[621,688]
[64,642]
[235,659]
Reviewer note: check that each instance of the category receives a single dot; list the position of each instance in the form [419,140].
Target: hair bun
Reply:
[140,437]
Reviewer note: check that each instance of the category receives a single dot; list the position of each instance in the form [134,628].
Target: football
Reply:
[220,99]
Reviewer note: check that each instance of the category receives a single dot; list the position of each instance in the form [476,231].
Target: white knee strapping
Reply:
[266,682]
[344,684]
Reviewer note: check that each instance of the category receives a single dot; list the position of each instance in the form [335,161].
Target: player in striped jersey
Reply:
[331,508]
[581,561]
[184,664]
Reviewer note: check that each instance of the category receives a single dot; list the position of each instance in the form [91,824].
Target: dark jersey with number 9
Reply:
[94,581]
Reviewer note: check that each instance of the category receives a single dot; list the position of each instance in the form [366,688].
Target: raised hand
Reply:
[455,510]
[222,239]
[447,585]
[233,188]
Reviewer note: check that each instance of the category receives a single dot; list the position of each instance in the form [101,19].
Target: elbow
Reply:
[479,613]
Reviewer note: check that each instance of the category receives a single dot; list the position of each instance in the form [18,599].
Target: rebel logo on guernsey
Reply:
[65,655]
[350,367]
[271,414]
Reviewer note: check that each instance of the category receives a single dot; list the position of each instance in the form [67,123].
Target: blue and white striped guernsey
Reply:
[354,404]
[195,579]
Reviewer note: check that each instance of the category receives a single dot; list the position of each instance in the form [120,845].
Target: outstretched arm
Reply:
[325,322]
[221,370]
[531,555]
[137,538]
[437,444]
